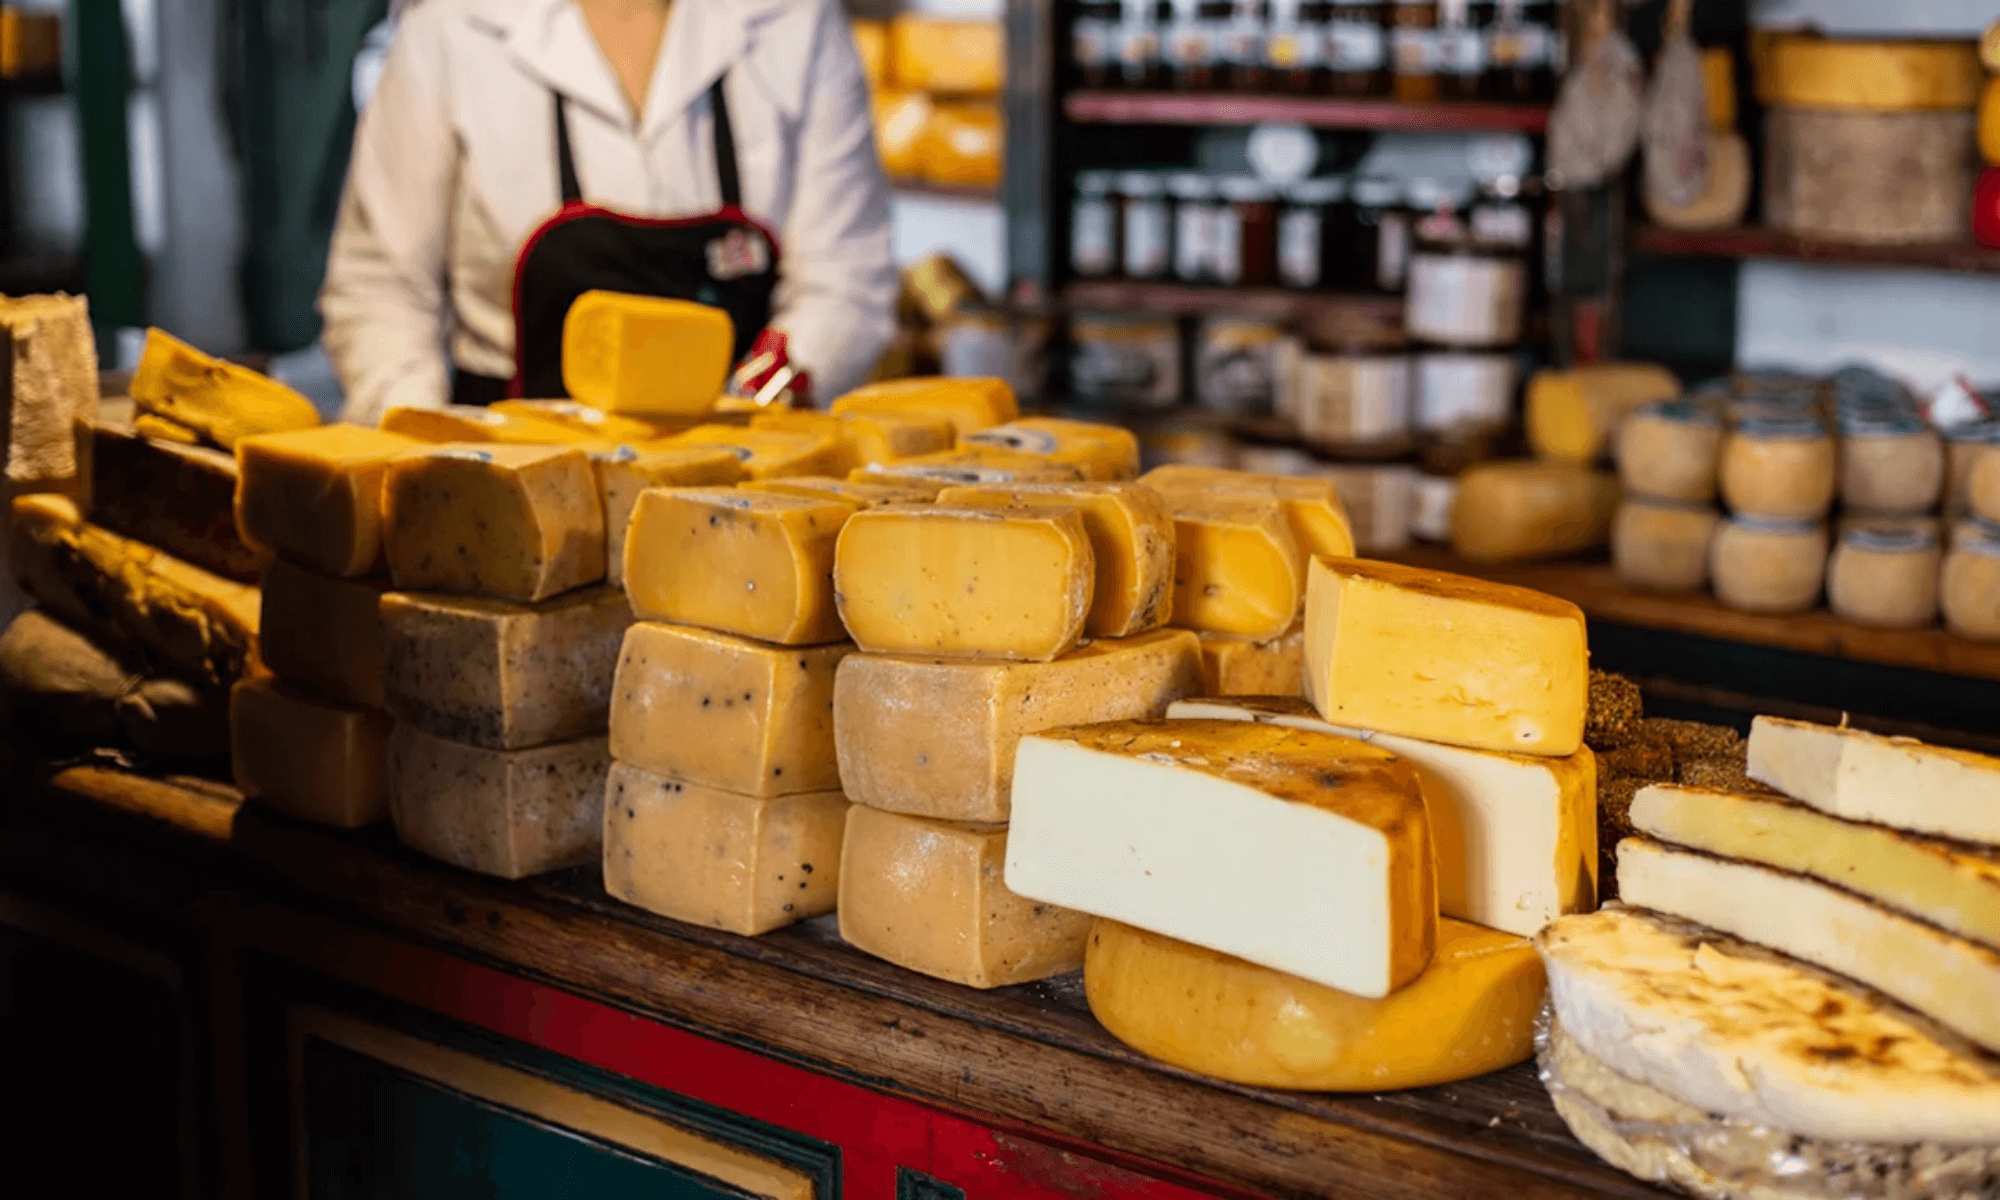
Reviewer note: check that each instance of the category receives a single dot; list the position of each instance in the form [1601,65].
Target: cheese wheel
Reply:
[1816,72]
[1671,452]
[1969,589]
[1884,578]
[1764,566]
[1574,414]
[1966,446]
[1780,468]
[1982,486]
[1513,511]
[1890,465]
[1718,68]
[1662,547]
[1724,198]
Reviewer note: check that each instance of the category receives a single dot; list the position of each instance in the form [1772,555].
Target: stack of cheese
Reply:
[1270,876]
[1668,458]
[1803,1000]
[936,83]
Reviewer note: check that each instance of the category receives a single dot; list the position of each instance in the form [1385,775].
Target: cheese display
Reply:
[645,354]
[511,522]
[1905,76]
[1890,178]
[932,54]
[221,401]
[752,563]
[1238,569]
[510,813]
[498,674]
[1671,452]
[1313,505]
[742,864]
[1662,546]
[315,495]
[1514,511]
[1242,667]
[179,498]
[726,712]
[1100,452]
[1768,566]
[1002,583]
[1511,677]
[470,423]
[970,404]
[936,737]
[626,471]
[977,464]
[586,421]
[771,453]
[1471,1011]
[319,762]
[861,492]
[1862,776]
[1969,589]
[1296,850]
[50,382]
[1887,578]
[1574,415]
[324,632]
[929,895]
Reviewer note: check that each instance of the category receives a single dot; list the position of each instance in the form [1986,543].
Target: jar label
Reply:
[1091,237]
[1300,49]
[1145,239]
[1417,51]
[1194,240]
[1355,46]
[1299,248]
[1090,43]
[1465,301]
[1460,51]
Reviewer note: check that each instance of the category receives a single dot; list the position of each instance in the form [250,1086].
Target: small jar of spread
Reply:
[1885,576]
[1461,48]
[1093,42]
[1381,243]
[1890,464]
[1460,292]
[1357,48]
[1766,566]
[1241,49]
[1357,399]
[1197,216]
[1136,42]
[1670,452]
[1246,251]
[1146,240]
[1304,231]
[1521,50]
[1661,546]
[1295,46]
[1093,225]
[1192,42]
[1779,468]
[1414,51]
[1969,588]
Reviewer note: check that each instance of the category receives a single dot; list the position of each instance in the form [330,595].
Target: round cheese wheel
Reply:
[1780,468]
[1817,72]
[1964,446]
[1982,485]
[1763,566]
[1515,511]
[1969,589]
[1574,414]
[1884,577]
[1890,465]
[1662,547]
[1671,452]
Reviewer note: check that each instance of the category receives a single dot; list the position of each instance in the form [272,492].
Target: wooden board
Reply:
[1756,241]
[1223,108]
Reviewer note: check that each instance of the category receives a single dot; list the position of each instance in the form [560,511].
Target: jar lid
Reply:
[1878,423]
[1240,189]
[1377,191]
[1096,183]
[1189,185]
[1752,523]
[1782,426]
[1977,534]
[1682,412]
[1141,183]
[1326,189]
[1903,537]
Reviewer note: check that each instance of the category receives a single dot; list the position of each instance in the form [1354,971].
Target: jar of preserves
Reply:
[1356,399]
[1885,576]
[1890,464]
[1093,42]
[1670,452]
[1192,42]
[1522,51]
[1246,251]
[1460,293]
[1236,365]
[1241,51]
[1094,222]
[1457,392]
[1969,588]
[1381,242]
[1304,232]
[1661,546]
[1779,468]
[1461,48]
[1357,48]
[1136,41]
[1414,51]
[1768,566]
[1145,244]
[1197,218]
[1295,41]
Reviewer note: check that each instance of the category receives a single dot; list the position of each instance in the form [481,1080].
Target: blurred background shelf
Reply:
[946,191]
[1756,242]
[1189,299]
[1177,108]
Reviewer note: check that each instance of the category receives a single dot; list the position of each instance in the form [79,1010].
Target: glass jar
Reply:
[1521,50]
[1779,467]
[1357,48]
[1094,225]
[1136,41]
[1093,42]
[1295,46]
[1890,463]
[1501,217]
[1236,365]
[1196,217]
[1242,46]
[1125,361]
[1414,51]
[1461,48]
[1146,242]
[1460,293]
[1192,42]
[1768,566]
[1885,577]
[1246,252]
[1304,233]
[1381,245]
[1356,399]
[1437,215]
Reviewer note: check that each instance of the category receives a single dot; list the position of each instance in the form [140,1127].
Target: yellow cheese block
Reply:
[510,522]
[698,854]
[936,737]
[1242,667]
[1237,568]
[987,583]
[871,43]
[624,472]
[1718,69]
[752,563]
[931,54]
[971,403]
[219,400]
[962,143]
[771,453]
[1445,658]
[1989,122]
[1312,503]
[324,632]
[816,424]
[1574,414]
[645,354]
[861,493]
[900,120]
[315,495]
[159,429]
[1521,510]
[1804,71]
[983,464]
[869,439]
[929,895]
[1100,452]
[319,762]
[1472,1011]
[726,712]
[510,813]
[583,420]
[1131,537]
[470,423]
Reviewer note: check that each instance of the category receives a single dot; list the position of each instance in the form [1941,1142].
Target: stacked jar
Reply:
[1668,457]
[1778,479]
[1462,309]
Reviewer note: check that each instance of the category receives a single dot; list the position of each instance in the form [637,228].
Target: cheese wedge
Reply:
[324,632]
[1893,781]
[970,404]
[936,737]
[509,813]
[976,465]
[1472,1011]
[221,401]
[1100,452]
[1300,851]
[1312,503]
[1238,570]
[743,864]
[1242,667]
[756,564]
[180,498]
[771,453]
[319,762]
[509,522]
[646,354]
[624,472]
[726,712]
[1445,658]
[860,492]
[584,420]
[470,423]
[315,495]
[977,582]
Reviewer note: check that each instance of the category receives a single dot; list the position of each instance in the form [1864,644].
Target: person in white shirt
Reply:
[516,153]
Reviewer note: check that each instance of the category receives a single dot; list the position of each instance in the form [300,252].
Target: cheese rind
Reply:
[743,864]
[756,564]
[1472,1011]
[1238,570]
[510,813]
[626,471]
[315,495]
[1242,667]
[324,632]
[970,404]
[470,423]
[1312,503]
[220,400]
[1100,452]
[179,498]
[1300,851]
[319,762]
[645,354]
[509,522]
[48,386]
[1894,781]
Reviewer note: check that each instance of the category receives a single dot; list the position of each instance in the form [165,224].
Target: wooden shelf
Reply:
[41,83]
[1192,108]
[1181,298]
[1755,242]
[945,191]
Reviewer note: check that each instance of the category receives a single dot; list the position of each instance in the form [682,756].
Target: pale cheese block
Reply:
[1884,577]
[726,712]
[756,564]
[1472,1011]
[1949,979]
[1131,537]
[515,523]
[1100,452]
[324,632]
[586,421]
[1506,512]
[508,813]
[50,382]
[860,492]
[471,423]
[976,465]
[771,453]
[969,403]
[1574,414]
[1876,76]
[1445,658]
[743,864]
[502,675]
[1243,667]
[320,762]
[1894,781]
[936,737]
[180,498]
[1009,583]
[1299,851]
[221,401]
[929,895]
[1312,503]
[315,495]
[624,472]
[645,354]
[1238,569]
[1662,546]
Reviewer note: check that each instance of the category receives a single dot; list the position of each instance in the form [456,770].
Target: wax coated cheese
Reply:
[510,522]
[936,738]
[221,401]
[1516,511]
[1969,589]
[1242,667]
[1472,1011]
[1131,536]
[976,465]
[1765,566]
[498,674]
[1894,781]
[179,498]
[315,495]
[771,453]
[726,712]
[709,857]
[929,895]
[1808,71]
[626,471]
[971,404]
[645,354]
[1574,415]
[1662,546]
[1312,503]
[324,632]
[987,583]
[861,492]
[751,563]
[470,423]
[584,420]
[309,759]
[1445,658]
[1100,452]
[1238,570]
[510,813]
[1515,835]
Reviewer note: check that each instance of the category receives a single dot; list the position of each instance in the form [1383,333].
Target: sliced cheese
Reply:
[510,522]
[624,472]
[1238,570]
[645,354]
[1765,566]
[860,492]
[970,404]
[470,423]
[1807,71]
[584,420]
[510,813]
[1574,415]
[1516,511]
[324,632]
[179,498]
[1312,503]
[315,495]
[1100,452]
[221,401]
[751,563]
[975,465]
[319,762]
[771,453]
[1894,781]
[1243,667]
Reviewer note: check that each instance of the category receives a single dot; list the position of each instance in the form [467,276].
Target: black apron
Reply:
[723,259]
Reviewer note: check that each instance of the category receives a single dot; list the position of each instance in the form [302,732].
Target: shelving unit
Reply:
[1187,299]
[1177,108]
[1756,242]
[946,191]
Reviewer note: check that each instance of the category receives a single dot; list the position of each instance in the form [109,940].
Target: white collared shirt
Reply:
[454,165]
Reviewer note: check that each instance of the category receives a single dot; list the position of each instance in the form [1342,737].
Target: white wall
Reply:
[973,232]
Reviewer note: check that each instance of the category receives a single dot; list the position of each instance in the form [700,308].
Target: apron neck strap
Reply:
[730,184]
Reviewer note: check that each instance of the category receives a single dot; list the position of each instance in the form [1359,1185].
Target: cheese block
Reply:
[814,424]
[57,682]
[962,144]
[771,453]
[1010,583]
[932,54]
[860,492]
[1515,835]
[1472,1011]
[315,495]
[977,465]
[1517,511]
[646,354]
[871,45]
[726,712]
[470,423]
[179,498]
[1947,978]
[585,421]
[928,895]
[1100,452]
[1238,570]
[742,864]
[157,428]
[324,632]
[624,472]
[220,400]
[502,675]
[319,762]
[1573,414]
[510,813]
[50,384]
[1662,546]
[969,403]
[871,439]
[1445,658]
[752,563]
[1131,537]
[1806,71]
[510,522]
[936,737]
[1312,503]
[1242,667]
[1894,781]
